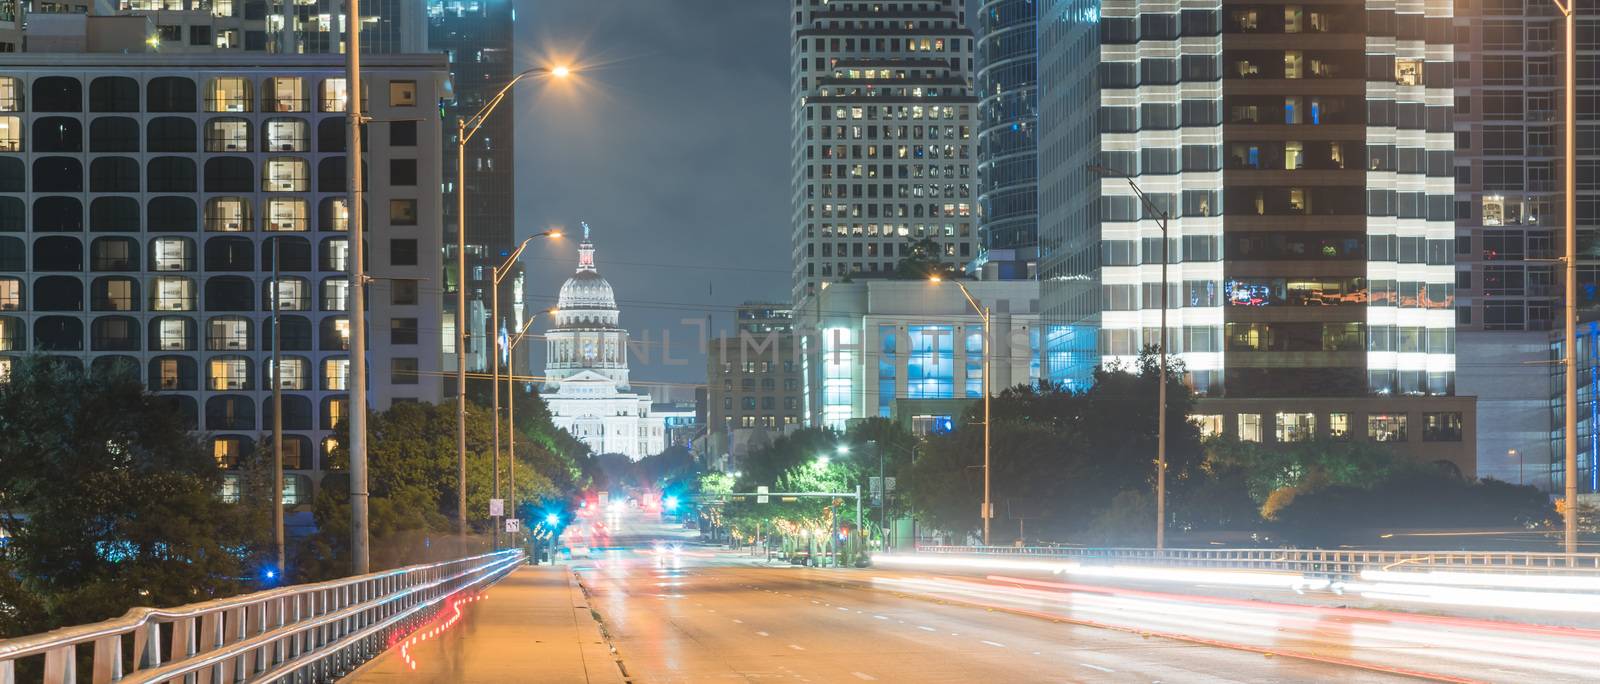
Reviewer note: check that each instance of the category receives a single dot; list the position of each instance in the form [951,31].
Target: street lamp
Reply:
[1518,455]
[465,129]
[497,274]
[988,341]
[511,411]
[1161,394]
[1570,406]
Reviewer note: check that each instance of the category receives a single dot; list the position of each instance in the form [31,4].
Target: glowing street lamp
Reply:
[983,314]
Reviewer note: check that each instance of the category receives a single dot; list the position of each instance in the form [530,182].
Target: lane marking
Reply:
[995,644]
[1097,667]
[843,609]
[797,647]
[864,676]
[880,617]
[737,621]
[763,634]
[926,628]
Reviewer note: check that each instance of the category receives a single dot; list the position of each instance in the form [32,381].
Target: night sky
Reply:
[674,146]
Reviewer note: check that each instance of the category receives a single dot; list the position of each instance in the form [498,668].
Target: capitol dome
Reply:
[586,290]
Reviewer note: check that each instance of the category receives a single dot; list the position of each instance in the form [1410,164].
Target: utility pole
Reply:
[1570,330]
[461,332]
[360,559]
[277,404]
[494,391]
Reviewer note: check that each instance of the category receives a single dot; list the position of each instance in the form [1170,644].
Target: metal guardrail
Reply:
[1336,564]
[302,634]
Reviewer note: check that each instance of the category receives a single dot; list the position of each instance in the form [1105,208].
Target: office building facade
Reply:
[1008,198]
[145,201]
[883,121]
[753,376]
[1301,157]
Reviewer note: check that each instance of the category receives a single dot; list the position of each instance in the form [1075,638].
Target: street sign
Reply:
[889,482]
[761,494]
[875,485]
[986,511]
[513,525]
[497,507]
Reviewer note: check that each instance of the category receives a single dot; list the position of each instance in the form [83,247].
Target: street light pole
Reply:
[360,559]
[498,274]
[988,340]
[465,129]
[277,404]
[1570,330]
[1161,393]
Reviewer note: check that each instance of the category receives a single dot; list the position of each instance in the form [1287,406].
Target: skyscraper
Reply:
[883,146]
[1302,155]
[1008,217]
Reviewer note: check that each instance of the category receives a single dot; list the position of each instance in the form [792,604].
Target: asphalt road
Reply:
[693,615]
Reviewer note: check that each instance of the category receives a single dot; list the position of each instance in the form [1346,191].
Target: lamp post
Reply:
[497,274]
[360,554]
[1161,394]
[511,411]
[1570,330]
[983,314]
[465,129]
[1518,455]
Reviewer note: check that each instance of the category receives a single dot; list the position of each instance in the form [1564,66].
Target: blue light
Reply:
[552,519]
[670,503]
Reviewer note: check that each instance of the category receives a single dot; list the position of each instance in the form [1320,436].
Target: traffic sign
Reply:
[761,494]
[513,525]
[497,507]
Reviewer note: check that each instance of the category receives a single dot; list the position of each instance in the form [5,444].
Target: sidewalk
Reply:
[534,625]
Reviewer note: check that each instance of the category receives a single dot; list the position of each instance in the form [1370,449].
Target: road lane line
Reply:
[926,628]
[763,634]
[843,609]
[995,644]
[1097,667]
[737,621]
[864,676]
[880,617]
[797,647]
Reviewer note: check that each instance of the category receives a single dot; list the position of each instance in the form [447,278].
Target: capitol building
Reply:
[586,369]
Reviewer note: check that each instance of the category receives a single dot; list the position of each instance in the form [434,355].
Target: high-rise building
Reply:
[883,148]
[145,201]
[753,376]
[315,26]
[1509,229]
[1303,154]
[1008,198]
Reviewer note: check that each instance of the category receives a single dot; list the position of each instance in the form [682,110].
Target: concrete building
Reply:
[753,377]
[883,341]
[144,201]
[1303,154]
[586,369]
[1008,112]
[883,147]
[313,26]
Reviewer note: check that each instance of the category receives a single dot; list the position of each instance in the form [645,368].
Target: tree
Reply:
[920,259]
[112,502]
[1412,498]
[1299,466]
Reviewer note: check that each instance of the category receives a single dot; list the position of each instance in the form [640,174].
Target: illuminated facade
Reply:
[883,146]
[586,369]
[1304,155]
[1008,198]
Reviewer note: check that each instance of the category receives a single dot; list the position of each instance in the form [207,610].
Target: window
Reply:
[1249,427]
[402,212]
[286,174]
[403,172]
[230,174]
[170,134]
[294,294]
[1210,424]
[173,373]
[10,294]
[403,371]
[402,93]
[1441,427]
[229,215]
[335,294]
[403,292]
[335,374]
[114,174]
[171,174]
[113,254]
[170,94]
[114,333]
[10,94]
[334,95]
[1296,427]
[230,413]
[10,134]
[403,252]
[228,333]
[57,94]
[401,330]
[335,255]
[228,450]
[228,373]
[403,134]
[172,293]
[334,334]
[333,214]
[287,214]
[285,94]
[296,373]
[13,334]
[229,293]
[228,135]
[1408,72]
[1386,427]
[113,214]
[172,254]
[287,135]
[228,94]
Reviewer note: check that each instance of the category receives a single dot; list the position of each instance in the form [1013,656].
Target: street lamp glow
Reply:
[670,503]
[555,234]
[935,279]
[843,449]
[560,72]
[821,463]
[552,519]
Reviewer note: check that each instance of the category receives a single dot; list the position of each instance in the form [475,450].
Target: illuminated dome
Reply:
[586,289]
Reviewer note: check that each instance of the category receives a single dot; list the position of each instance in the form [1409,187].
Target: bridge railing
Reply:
[1333,564]
[303,633]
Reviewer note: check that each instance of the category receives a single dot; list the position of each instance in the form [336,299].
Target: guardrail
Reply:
[304,633]
[1336,564]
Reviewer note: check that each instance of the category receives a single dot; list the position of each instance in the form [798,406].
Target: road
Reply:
[692,614]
